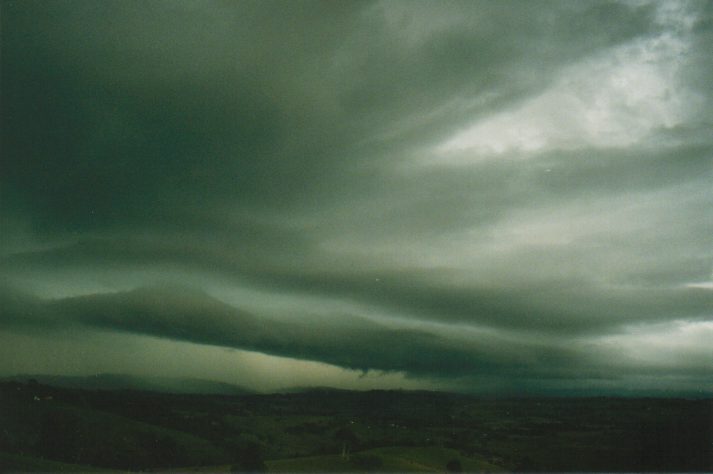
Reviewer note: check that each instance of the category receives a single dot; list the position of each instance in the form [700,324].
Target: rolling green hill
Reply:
[44,428]
[20,463]
[393,459]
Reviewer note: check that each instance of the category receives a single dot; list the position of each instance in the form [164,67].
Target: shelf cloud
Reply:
[482,196]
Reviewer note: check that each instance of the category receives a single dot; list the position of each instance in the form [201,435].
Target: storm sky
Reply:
[487,196]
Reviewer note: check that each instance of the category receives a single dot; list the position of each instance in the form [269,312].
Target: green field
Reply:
[52,429]
[20,463]
[393,459]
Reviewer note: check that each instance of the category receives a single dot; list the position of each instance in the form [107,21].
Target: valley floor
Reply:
[43,428]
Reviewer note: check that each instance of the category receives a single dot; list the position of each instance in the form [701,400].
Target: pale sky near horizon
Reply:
[492,196]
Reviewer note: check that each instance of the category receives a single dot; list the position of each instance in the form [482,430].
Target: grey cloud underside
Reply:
[146,108]
[362,345]
[559,307]
[550,306]
[189,316]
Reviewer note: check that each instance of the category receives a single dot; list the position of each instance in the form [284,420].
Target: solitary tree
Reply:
[348,439]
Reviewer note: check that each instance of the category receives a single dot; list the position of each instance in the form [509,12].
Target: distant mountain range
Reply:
[134,382]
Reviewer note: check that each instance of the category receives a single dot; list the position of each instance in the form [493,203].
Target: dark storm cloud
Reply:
[361,344]
[478,360]
[115,113]
[546,305]
[541,171]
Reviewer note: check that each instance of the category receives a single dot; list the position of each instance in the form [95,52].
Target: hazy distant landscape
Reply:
[327,430]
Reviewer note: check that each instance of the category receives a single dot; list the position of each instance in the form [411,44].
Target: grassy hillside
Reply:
[47,427]
[20,463]
[381,430]
[393,459]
